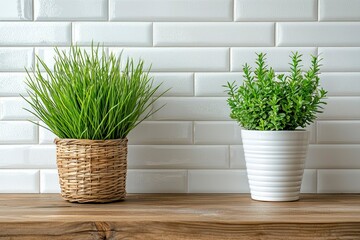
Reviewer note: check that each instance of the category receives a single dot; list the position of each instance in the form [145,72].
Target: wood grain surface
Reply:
[180,216]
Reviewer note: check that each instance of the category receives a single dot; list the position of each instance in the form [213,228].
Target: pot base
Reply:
[274,199]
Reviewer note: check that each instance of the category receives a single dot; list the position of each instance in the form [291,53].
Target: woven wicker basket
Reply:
[92,170]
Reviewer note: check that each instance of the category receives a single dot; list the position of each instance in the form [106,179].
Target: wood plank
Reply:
[180,216]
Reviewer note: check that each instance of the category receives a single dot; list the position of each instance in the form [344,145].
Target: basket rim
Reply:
[74,141]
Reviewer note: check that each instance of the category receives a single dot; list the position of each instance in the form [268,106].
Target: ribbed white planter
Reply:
[275,163]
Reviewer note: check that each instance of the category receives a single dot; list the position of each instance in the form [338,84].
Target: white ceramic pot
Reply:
[275,163]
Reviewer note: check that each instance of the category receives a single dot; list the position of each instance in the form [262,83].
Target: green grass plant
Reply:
[91,95]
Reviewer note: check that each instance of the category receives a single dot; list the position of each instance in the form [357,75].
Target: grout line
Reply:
[38,134]
[229,156]
[317,180]
[234,10]
[33,10]
[193,133]
[275,33]
[194,85]
[108,10]
[152,34]
[187,181]
[318,10]
[229,70]
[316,132]
[39,183]
[24,45]
[33,59]
[72,33]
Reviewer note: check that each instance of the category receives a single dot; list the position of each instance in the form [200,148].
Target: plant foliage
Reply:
[266,101]
[91,95]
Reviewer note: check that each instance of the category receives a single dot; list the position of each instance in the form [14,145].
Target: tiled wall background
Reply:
[195,46]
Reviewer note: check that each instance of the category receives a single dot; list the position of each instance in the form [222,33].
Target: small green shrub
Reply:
[91,95]
[266,101]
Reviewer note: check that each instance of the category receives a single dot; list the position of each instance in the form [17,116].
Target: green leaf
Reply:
[285,102]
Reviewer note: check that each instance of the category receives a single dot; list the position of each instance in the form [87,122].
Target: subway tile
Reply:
[168,156]
[176,84]
[237,157]
[175,10]
[27,156]
[156,181]
[214,34]
[18,132]
[321,34]
[45,136]
[209,132]
[275,10]
[309,182]
[49,181]
[12,84]
[179,59]
[70,10]
[341,108]
[344,59]
[339,10]
[332,156]
[19,181]
[341,84]
[340,132]
[16,59]
[338,181]
[211,84]
[218,181]
[39,33]
[12,108]
[277,58]
[312,129]
[192,109]
[16,10]
[162,133]
[119,34]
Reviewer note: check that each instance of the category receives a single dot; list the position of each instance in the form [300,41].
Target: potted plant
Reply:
[270,108]
[91,101]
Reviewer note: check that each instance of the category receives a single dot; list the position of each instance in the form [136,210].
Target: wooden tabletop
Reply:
[180,216]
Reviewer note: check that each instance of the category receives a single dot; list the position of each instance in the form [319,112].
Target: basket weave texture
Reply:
[92,170]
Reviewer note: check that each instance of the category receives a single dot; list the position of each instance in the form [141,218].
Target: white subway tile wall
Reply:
[179,59]
[12,84]
[35,33]
[123,34]
[194,47]
[49,181]
[275,10]
[174,10]
[339,10]
[14,59]
[213,34]
[11,108]
[16,10]
[45,10]
[318,34]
